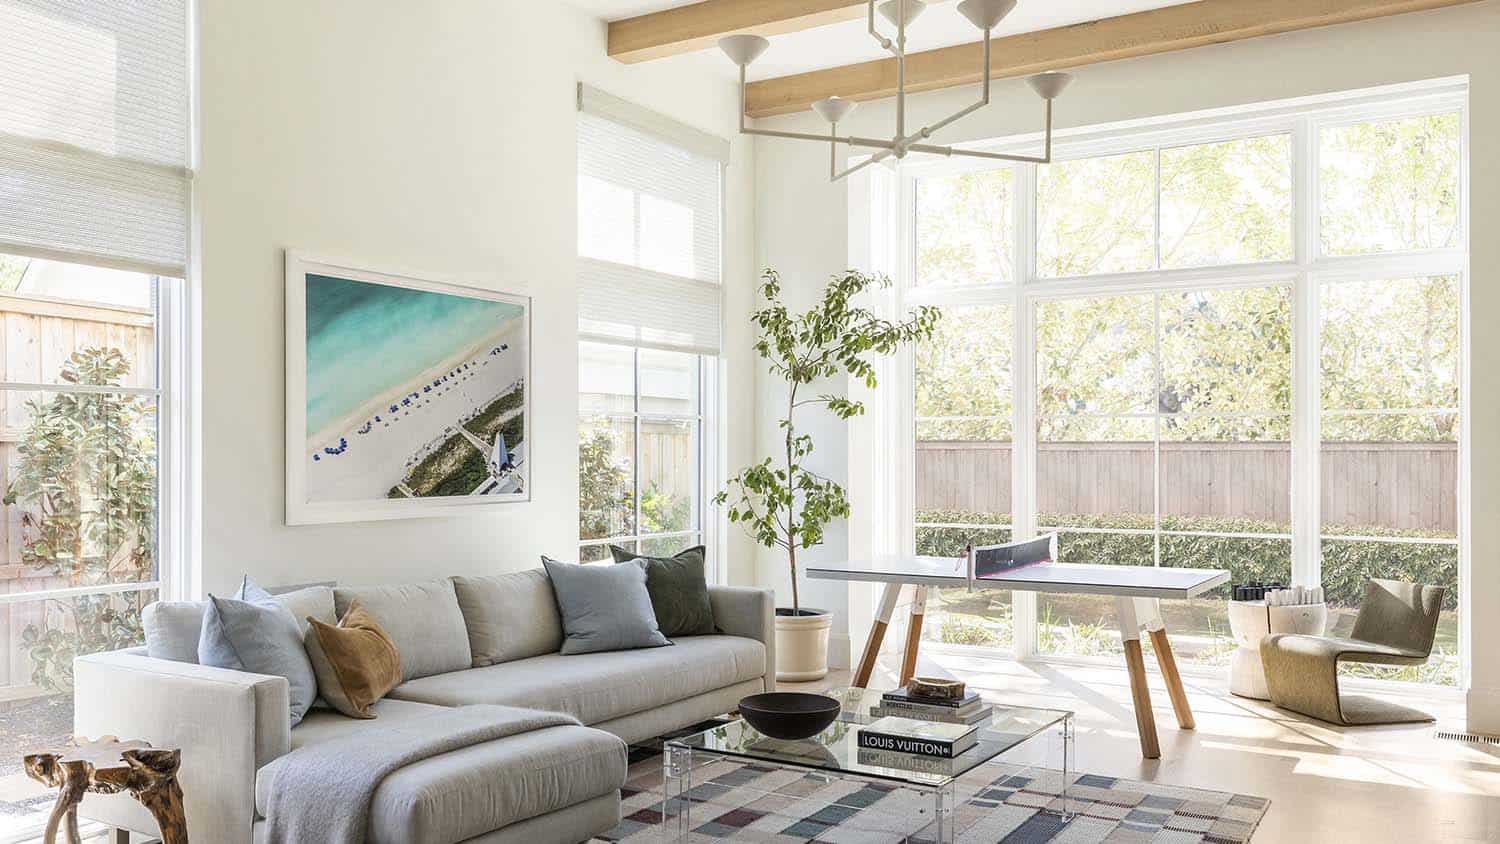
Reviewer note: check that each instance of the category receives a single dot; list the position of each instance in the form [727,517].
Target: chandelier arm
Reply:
[884,42]
[1045,158]
[743,130]
[874,159]
[932,149]
[833,151]
[851,140]
[984,100]
[901,68]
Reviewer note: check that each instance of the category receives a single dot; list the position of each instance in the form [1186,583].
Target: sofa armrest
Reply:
[749,612]
[227,724]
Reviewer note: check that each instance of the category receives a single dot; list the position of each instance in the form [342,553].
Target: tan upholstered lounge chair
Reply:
[1396,625]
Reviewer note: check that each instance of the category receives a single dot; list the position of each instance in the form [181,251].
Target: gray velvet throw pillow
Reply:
[254,632]
[604,608]
[678,589]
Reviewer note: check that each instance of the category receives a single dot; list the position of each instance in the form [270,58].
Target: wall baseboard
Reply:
[1482,710]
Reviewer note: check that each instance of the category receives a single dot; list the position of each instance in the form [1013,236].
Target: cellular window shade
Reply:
[649,224]
[94,132]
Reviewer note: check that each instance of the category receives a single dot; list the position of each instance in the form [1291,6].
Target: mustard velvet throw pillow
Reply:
[356,662]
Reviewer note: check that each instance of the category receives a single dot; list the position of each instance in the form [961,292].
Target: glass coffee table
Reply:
[834,754]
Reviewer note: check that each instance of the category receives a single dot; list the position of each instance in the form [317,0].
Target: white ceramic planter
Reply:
[802,645]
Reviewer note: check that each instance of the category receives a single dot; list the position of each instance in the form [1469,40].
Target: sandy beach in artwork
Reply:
[366,452]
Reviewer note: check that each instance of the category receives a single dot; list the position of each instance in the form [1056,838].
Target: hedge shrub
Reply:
[1347,564]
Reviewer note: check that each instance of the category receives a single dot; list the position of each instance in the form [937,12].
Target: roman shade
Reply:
[649,227]
[94,137]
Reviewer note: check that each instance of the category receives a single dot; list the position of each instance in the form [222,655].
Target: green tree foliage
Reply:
[12,268]
[86,486]
[605,508]
[963,376]
[785,504]
[1390,186]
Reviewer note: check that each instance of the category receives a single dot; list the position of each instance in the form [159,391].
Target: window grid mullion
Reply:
[635,485]
[1305,274]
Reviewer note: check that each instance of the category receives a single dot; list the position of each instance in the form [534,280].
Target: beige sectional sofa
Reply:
[490,640]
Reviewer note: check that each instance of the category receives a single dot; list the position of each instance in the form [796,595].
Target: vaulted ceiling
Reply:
[845,42]
[820,48]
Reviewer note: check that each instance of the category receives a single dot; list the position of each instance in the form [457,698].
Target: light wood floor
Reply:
[1326,784]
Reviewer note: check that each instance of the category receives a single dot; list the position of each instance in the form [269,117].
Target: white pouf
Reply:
[1251,621]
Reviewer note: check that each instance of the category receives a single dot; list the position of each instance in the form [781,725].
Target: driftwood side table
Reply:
[110,766]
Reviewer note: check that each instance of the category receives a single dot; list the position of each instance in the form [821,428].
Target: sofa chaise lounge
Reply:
[464,640]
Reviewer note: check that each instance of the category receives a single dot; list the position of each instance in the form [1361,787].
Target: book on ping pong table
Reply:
[991,561]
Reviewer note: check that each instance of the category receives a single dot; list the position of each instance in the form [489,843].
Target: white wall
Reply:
[801,220]
[434,136]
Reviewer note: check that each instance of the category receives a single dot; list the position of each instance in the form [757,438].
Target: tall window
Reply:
[94,140]
[648,241]
[640,450]
[1139,337]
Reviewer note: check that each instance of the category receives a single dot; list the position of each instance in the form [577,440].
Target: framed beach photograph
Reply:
[406,396]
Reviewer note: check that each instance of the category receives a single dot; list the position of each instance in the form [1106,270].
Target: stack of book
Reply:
[893,735]
[968,710]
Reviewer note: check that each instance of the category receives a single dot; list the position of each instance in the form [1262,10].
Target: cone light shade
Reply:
[743,49]
[1048,85]
[986,14]
[890,10]
[834,109]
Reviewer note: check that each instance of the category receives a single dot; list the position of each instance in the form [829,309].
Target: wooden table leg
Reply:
[65,811]
[888,598]
[913,635]
[1168,664]
[1135,663]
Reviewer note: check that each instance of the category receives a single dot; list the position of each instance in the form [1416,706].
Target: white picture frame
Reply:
[322,488]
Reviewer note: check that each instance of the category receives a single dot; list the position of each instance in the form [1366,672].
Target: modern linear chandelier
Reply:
[984,14]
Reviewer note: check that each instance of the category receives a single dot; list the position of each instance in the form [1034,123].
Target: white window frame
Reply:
[1305,273]
[705,460]
[171,478]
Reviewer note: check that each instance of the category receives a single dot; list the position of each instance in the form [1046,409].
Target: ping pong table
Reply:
[1137,591]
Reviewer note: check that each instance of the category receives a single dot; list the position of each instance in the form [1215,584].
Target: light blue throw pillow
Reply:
[254,632]
[604,608]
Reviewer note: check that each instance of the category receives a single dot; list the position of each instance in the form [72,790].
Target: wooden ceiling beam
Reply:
[1146,33]
[688,29]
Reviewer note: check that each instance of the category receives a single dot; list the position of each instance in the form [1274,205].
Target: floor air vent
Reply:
[1469,737]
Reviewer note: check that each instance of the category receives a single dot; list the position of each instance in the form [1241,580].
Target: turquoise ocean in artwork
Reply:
[365,339]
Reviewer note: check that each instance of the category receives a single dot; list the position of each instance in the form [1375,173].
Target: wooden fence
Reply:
[1409,486]
[37,335]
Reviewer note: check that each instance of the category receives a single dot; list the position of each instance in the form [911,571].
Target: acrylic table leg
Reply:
[1066,740]
[942,815]
[677,785]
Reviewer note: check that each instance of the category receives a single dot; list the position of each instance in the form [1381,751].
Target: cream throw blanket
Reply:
[321,793]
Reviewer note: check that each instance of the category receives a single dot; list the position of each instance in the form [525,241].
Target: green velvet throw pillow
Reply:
[678,589]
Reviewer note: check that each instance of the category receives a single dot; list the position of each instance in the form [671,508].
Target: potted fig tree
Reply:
[780,502]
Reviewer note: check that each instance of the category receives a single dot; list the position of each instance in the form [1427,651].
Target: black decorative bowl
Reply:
[789,715]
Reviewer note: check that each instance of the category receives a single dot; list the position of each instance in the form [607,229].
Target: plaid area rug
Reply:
[739,801]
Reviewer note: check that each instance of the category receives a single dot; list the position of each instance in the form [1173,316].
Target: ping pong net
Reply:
[993,561]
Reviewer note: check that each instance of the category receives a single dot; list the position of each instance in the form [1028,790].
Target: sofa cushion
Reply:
[509,616]
[466,793]
[322,724]
[254,632]
[600,686]
[603,607]
[423,619]
[172,628]
[678,587]
[355,661]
